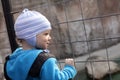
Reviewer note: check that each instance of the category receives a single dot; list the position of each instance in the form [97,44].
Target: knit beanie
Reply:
[29,24]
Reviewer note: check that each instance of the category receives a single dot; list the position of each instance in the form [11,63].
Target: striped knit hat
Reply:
[29,24]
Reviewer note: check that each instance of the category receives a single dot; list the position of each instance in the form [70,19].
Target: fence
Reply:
[82,29]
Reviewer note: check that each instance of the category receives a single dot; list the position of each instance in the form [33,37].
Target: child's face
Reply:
[43,39]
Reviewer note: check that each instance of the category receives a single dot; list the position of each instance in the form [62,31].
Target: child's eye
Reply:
[46,34]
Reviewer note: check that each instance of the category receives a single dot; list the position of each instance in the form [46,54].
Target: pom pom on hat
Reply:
[29,24]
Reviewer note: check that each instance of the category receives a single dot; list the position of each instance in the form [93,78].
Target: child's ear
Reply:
[19,41]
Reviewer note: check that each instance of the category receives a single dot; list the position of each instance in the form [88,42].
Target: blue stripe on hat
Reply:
[27,32]
[33,22]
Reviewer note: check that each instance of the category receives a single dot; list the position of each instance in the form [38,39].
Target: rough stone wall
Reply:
[83,26]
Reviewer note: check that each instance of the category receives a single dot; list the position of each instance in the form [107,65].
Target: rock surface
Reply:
[97,67]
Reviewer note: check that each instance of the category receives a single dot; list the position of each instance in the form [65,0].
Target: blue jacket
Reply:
[21,60]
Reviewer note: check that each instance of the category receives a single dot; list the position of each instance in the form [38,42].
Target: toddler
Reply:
[32,61]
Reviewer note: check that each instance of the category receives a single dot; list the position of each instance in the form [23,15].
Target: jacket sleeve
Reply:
[51,71]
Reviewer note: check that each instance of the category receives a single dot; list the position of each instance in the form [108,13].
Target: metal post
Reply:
[9,23]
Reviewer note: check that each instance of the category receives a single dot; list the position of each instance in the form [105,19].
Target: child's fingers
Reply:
[69,61]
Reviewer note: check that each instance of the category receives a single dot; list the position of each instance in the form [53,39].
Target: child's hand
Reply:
[70,61]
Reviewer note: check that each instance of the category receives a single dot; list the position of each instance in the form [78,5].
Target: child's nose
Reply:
[50,38]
